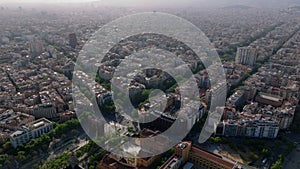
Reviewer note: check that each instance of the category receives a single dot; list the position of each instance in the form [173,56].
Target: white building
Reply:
[31,130]
[216,96]
[264,129]
[254,128]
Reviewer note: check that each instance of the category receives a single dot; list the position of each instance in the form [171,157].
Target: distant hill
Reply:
[294,8]
[237,7]
[246,4]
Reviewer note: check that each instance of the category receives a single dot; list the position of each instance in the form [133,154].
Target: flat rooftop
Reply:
[39,123]
[272,98]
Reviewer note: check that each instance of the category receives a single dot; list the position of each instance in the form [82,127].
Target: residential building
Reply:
[29,131]
[246,56]
[73,40]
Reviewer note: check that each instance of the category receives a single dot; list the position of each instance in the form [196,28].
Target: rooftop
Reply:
[269,97]
[212,157]
[39,123]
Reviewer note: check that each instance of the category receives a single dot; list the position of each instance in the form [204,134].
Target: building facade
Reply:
[196,158]
[29,131]
[246,56]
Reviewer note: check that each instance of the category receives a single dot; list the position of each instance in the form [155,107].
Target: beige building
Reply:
[196,158]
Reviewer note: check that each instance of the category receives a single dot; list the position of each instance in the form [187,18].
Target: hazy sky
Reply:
[54,1]
[199,3]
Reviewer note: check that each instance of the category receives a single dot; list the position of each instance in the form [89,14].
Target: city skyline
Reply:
[164,3]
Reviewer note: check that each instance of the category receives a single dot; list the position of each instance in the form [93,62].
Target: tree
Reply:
[79,153]
[266,151]
[74,132]
[130,129]
[36,166]
[6,145]
[59,162]
[164,159]
[21,155]
[3,157]
[278,163]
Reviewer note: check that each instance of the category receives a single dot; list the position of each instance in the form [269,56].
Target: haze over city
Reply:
[173,3]
[158,84]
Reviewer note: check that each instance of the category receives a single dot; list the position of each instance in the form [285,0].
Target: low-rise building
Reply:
[31,130]
[189,156]
[269,99]
[46,110]
[12,120]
